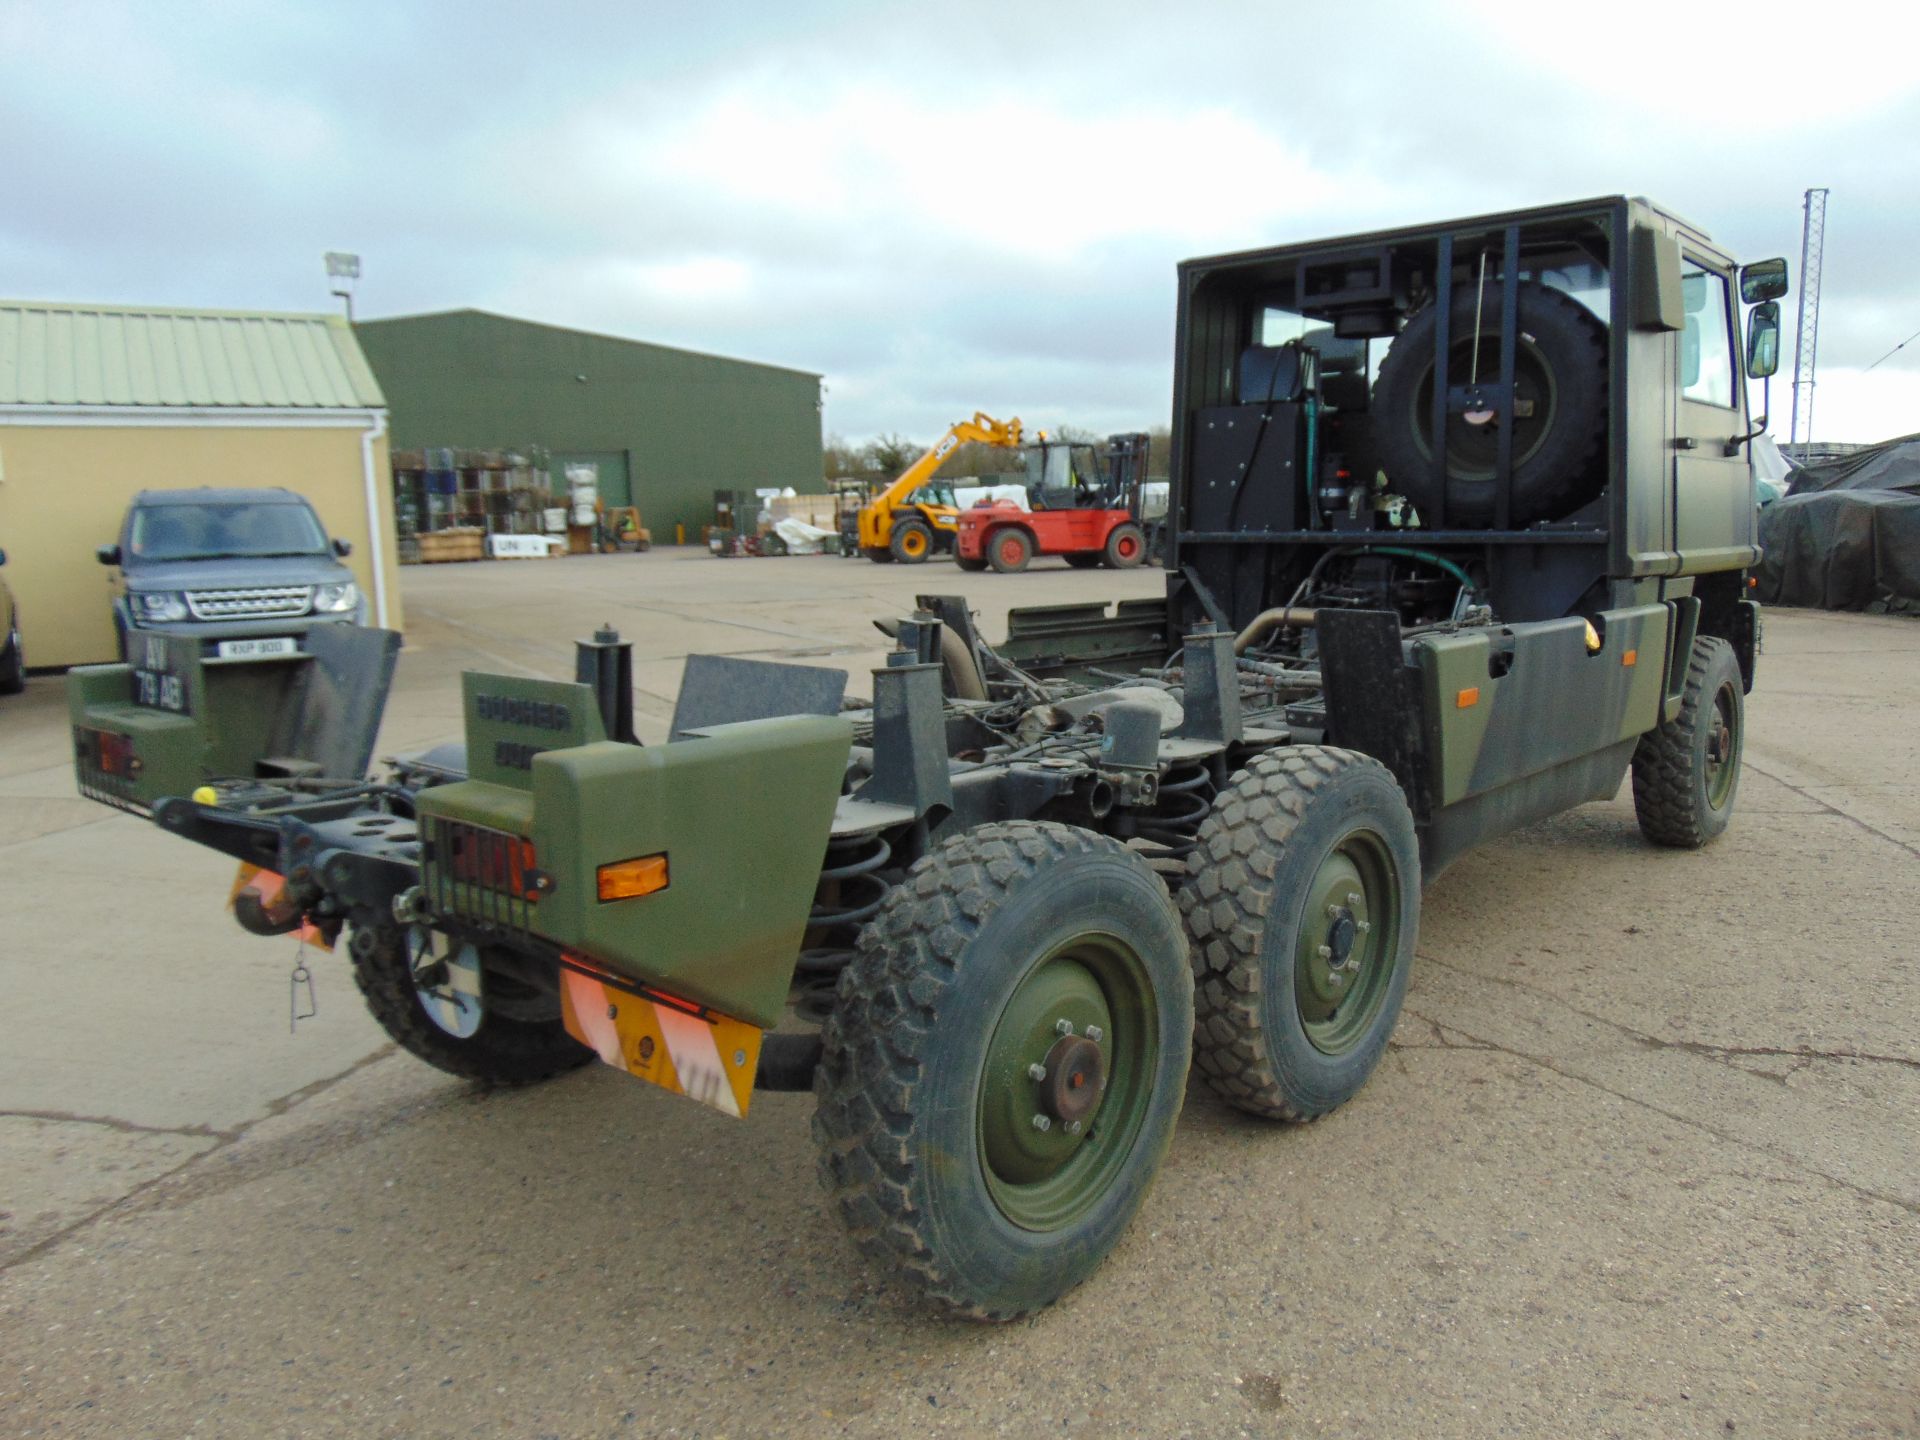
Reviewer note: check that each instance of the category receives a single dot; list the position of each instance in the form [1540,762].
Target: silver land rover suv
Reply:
[248,572]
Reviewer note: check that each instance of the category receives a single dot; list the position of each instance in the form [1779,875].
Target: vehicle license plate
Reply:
[258,649]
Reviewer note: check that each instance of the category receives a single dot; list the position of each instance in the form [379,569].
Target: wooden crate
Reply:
[440,547]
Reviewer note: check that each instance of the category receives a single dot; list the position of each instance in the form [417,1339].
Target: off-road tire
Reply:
[1674,777]
[1009,550]
[902,543]
[903,1086]
[1262,849]
[1560,469]
[1126,547]
[13,667]
[500,1052]
[969,565]
[1084,559]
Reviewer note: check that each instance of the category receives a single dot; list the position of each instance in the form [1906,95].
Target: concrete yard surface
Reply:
[1641,1160]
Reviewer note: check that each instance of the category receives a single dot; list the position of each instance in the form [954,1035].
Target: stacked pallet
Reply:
[441,547]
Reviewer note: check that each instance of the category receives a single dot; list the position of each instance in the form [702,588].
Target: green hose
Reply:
[1426,555]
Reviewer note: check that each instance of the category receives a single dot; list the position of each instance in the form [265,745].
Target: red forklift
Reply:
[1085,508]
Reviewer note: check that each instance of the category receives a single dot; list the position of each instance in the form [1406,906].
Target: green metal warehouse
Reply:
[665,427]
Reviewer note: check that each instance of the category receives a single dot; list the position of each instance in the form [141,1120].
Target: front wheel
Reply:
[1302,903]
[1687,771]
[912,542]
[1004,1064]
[13,667]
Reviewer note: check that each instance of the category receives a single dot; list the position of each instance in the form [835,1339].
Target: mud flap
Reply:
[1373,701]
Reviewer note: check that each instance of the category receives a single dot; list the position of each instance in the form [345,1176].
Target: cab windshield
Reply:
[224,531]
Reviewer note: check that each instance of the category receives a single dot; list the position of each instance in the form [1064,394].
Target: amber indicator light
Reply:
[1467,698]
[628,879]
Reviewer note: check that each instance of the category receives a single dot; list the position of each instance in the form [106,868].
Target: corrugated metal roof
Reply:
[59,354]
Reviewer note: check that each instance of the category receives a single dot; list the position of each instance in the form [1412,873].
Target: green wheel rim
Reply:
[1723,746]
[1347,942]
[1091,994]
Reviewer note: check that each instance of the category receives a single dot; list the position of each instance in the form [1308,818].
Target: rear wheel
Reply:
[513,1033]
[912,542]
[1004,1064]
[1008,551]
[1302,903]
[1126,546]
[1687,772]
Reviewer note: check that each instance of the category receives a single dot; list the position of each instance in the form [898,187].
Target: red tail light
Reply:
[497,862]
[114,753]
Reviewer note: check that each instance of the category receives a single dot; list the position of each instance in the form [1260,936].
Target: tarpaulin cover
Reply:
[1847,535]
[1890,465]
[1842,550]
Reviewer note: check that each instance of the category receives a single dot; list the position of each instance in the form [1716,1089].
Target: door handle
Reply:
[1686,442]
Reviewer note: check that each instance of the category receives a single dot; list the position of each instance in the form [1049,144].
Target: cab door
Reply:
[1713,510]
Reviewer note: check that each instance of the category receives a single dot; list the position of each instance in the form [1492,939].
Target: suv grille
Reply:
[278,602]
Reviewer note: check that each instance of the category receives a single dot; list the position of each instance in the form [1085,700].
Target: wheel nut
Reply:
[1063,1027]
[1363,926]
[1325,952]
[1096,1034]
[1333,912]
[1036,1072]
[1073,1128]
[1353,897]
[1041,1122]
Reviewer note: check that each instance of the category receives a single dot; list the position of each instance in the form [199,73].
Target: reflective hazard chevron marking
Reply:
[703,1055]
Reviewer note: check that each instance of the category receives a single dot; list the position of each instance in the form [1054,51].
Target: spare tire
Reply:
[1560,427]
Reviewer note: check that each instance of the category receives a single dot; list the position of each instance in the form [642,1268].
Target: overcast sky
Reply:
[941,209]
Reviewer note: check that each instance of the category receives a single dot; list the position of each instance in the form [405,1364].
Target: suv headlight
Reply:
[332,599]
[159,606]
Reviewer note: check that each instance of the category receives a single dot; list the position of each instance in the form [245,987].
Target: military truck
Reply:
[1459,538]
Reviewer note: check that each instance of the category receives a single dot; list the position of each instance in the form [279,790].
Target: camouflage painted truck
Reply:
[1462,519]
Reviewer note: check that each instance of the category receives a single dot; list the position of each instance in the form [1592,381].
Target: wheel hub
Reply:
[1344,943]
[1074,1080]
[1340,937]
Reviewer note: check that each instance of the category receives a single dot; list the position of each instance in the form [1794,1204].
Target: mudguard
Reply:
[170,721]
[739,813]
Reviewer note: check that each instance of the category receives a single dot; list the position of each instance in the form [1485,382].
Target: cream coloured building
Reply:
[99,402]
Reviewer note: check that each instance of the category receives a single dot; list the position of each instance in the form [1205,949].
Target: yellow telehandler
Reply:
[912,518]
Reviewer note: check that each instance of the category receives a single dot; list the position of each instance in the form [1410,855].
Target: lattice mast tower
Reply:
[1812,245]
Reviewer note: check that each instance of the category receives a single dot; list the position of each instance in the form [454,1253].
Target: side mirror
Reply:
[343,548]
[1763,338]
[108,554]
[3,557]
[1763,280]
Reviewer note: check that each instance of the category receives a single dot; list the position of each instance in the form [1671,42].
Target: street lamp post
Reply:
[343,270]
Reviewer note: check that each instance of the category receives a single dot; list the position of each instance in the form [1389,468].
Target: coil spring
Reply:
[815,979]
[1171,829]
[849,894]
